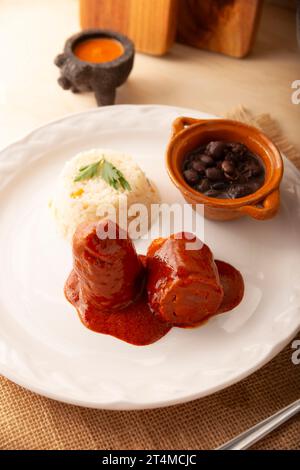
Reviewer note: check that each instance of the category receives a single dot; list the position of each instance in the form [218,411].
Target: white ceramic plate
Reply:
[43,345]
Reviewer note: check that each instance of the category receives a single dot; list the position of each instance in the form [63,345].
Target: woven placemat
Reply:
[29,421]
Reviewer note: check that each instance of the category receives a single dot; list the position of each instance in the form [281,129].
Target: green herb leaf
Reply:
[113,176]
[107,171]
[88,172]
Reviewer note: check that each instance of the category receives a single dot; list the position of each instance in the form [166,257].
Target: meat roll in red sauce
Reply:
[107,287]
[111,273]
[183,284]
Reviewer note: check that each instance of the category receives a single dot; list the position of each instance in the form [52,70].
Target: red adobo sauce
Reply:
[98,50]
[138,299]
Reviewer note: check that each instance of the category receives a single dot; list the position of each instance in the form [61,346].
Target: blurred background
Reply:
[33,32]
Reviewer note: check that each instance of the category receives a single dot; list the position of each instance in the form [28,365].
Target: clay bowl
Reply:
[189,133]
[101,78]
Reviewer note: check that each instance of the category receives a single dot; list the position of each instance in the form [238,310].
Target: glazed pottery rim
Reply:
[272,178]
[126,43]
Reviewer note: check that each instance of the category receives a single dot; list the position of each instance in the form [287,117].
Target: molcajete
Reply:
[102,77]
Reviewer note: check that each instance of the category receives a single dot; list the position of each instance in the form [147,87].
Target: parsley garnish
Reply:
[107,171]
[87,172]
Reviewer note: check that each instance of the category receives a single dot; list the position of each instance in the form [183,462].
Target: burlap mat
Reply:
[28,421]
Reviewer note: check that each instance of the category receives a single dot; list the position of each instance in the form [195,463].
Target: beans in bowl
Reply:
[223,170]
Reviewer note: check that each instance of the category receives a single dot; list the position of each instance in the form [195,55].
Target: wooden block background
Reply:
[151,24]
[225,26]
[291,4]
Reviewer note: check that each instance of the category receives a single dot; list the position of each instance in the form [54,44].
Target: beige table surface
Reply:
[32,32]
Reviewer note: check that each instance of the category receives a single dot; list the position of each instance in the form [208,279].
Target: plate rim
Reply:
[129,404]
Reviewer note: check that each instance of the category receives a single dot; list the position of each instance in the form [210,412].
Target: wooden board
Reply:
[226,26]
[151,24]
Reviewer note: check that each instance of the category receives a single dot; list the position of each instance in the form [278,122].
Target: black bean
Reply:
[239,190]
[214,174]
[247,175]
[196,157]
[238,148]
[198,166]
[228,167]
[207,160]
[191,176]
[216,149]
[242,178]
[220,186]
[203,186]
[231,157]
[252,167]
[212,193]
[231,177]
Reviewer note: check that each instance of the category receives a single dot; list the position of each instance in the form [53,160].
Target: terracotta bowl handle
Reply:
[268,210]
[182,122]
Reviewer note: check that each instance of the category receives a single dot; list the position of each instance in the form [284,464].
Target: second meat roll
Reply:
[183,284]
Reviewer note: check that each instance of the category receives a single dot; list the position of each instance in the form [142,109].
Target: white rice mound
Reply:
[76,202]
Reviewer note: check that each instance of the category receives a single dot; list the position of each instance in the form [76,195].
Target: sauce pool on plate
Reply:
[98,50]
